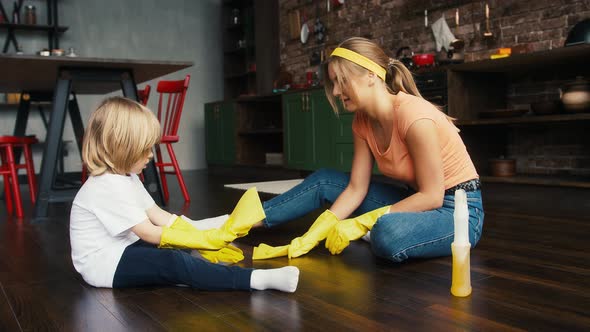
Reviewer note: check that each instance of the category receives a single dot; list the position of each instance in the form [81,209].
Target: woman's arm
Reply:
[424,148]
[360,178]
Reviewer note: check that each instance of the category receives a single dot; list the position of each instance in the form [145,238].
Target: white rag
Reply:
[442,34]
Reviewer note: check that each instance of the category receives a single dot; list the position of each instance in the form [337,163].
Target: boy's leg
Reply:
[143,264]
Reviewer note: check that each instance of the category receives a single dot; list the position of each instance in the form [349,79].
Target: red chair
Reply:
[143,96]
[9,169]
[170,103]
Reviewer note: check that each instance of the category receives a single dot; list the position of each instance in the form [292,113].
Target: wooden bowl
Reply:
[502,167]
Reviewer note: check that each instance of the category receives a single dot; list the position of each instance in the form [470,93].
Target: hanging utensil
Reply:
[304,34]
[488,33]
[457,43]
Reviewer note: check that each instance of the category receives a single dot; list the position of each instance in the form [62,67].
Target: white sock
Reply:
[284,279]
[367,237]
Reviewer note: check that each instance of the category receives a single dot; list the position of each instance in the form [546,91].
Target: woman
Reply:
[412,142]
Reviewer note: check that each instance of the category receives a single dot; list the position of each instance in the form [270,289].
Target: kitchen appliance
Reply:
[579,34]
[404,55]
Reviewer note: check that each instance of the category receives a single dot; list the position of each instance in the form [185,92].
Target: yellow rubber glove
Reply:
[352,229]
[316,233]
[300,245]
[181,234]
[229,254]
[247,212]
[264,251]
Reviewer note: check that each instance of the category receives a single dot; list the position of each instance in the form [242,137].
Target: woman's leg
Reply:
[323,187]
[143,264]
[399,236]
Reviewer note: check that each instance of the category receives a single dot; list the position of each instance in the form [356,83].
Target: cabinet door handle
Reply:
[308,105]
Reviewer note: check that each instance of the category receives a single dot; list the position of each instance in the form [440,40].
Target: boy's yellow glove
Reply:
[229,254]
[300,245]
[352,229]
[247,212]
[181,234]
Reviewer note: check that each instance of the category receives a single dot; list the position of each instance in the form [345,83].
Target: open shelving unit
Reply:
[479,86]
[52,28]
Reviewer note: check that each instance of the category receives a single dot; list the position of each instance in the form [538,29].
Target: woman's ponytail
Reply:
[399,78]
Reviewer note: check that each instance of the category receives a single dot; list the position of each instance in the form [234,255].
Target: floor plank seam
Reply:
[11,308]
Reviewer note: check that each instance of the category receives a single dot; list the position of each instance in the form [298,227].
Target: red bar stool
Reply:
[170,104]
[143,96]
[9,169]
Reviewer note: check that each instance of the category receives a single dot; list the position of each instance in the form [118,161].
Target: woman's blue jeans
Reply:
[396,236]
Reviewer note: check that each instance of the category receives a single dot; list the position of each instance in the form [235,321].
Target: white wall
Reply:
[175,30]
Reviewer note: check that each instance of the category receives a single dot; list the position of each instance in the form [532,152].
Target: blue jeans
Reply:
[143,264]
[395,236]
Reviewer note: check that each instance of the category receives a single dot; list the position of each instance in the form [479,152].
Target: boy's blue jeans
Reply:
[395,236]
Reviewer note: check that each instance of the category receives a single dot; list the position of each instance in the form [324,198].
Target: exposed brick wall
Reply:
[537,25]
[534,25]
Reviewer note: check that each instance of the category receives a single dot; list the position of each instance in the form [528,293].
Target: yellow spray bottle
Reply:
[461,284]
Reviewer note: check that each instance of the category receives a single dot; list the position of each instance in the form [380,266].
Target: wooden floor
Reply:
[528,273]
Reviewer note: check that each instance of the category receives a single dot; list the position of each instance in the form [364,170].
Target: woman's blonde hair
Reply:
[397,78]
[120,133]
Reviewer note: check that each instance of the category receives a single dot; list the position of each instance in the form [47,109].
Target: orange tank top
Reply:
[396,161]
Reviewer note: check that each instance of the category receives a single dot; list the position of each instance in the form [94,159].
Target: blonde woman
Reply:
[412,142]
[121,238]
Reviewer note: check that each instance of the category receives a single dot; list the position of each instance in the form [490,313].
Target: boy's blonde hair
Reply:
[120,133]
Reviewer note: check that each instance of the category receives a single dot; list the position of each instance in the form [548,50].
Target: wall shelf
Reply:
[33,27]
[542,180]
[526,120]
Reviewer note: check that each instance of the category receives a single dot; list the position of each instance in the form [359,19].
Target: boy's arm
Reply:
[148,232]
[159,217]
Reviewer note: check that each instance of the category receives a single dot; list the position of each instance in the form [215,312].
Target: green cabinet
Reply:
[314,137]
[220,133]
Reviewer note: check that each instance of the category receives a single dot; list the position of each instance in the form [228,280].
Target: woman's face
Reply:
[141,164]
[343,91]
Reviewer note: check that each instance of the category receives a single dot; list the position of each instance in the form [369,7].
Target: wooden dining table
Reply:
[61,77]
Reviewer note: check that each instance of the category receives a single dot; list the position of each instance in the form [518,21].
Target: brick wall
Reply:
[536,25]
[533,25]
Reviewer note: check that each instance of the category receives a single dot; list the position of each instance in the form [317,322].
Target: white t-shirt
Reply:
[103,213]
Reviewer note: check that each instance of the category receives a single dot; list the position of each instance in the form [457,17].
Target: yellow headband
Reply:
[360,60]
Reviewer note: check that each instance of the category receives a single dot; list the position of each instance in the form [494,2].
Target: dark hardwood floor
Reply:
[528,273]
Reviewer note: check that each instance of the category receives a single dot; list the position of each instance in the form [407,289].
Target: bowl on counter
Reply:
[503,167]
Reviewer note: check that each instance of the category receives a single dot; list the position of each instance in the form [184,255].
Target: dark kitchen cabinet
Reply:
[220,133]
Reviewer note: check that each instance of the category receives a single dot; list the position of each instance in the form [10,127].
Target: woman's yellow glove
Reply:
[229,254]
[352,229]
[181,234]
[300,245]
[247,212]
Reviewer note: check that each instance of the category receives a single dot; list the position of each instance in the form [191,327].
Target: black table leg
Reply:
[77,123]
[50,153]
[150,173]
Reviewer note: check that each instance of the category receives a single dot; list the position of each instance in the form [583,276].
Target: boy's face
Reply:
[141,164]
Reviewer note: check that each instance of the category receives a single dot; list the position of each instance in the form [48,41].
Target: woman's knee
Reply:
[386,240]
